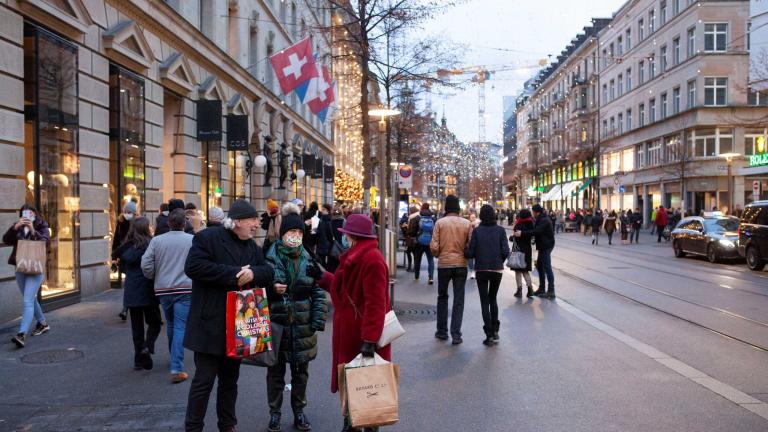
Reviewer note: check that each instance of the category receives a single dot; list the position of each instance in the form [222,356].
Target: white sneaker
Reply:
[472,274]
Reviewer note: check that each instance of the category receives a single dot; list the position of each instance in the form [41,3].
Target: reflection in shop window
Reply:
[212,169]
[51,151]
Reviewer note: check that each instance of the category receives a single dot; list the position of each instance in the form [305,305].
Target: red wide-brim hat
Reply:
[358,225]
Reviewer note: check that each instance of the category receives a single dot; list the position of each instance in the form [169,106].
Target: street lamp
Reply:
[383,113]
[729,158]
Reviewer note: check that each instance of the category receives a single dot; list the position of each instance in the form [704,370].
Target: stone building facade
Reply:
[98,107]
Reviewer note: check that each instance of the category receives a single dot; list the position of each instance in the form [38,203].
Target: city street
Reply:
[637,340]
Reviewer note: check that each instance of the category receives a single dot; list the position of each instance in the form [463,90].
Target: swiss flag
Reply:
[294,65]
[320,94]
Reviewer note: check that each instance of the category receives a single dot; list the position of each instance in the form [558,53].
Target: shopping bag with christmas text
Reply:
[248,328]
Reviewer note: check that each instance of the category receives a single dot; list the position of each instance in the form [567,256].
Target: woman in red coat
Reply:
[360,292]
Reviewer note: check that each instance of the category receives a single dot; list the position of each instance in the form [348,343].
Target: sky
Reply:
[506,34]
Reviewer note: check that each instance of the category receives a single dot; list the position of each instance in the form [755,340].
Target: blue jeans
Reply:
[544,268]
[176,310]
[29,285]
[420,252]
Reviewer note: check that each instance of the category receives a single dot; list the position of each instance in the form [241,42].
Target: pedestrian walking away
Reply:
[525,225]
[221,259]
[624,227]
[544,237]
[587,222]
[450,237]
[360,294]
[298,304]
[489,248]
[609,225]
[324,234]
[636,223]
[421,228]
[139,294]
[164,261]
[661,222]
[597,224]
[410,241]
[29,227]
[337,221]
[474,223]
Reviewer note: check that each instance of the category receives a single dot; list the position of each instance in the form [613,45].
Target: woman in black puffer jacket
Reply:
[489,248]
[298,304]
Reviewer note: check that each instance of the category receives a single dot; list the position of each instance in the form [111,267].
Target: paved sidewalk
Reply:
[552,371]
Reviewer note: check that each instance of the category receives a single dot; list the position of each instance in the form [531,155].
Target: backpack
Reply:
[426,226]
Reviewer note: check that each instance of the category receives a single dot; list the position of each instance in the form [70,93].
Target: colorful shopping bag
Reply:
[248,327]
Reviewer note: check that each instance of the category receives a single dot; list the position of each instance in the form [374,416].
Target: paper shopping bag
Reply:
[248,327]
[30,257]
[370,393]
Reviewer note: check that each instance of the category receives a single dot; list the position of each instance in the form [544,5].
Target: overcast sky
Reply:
[531,29]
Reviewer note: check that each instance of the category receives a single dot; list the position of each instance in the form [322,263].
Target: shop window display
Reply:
[51,153]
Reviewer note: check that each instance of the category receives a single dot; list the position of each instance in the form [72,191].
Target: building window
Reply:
[206,17]
[629,120]
[641,71]
[651,21]
[253,52]
[691,94]
[749,35]
[654,153]
[51,159]
[612,87]
[715,91]
[691,42]
[675,7]
[676,51]
[621,123]
[613,126]
[640,29]
[712,142]
[615,162]
[664,113]
[676,100]
[621,84]
[629,80]
[640,161]
[628,39]
[641,114]
[756,98]
[627,159]
[652,110]
[652,66]
[663,58]
[715,36]
[620,46]
[605,128]
[754,138]
[211,167]
[605,93]
[663,11]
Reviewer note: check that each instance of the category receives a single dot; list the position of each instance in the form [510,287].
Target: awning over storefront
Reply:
[553,194]
[569,187]
[586,184]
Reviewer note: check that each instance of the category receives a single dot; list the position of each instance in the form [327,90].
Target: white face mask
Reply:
[128,216]
[292,240]
[165,213]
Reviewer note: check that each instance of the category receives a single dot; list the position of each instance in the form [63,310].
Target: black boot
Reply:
[550,293]
[274,422]
[540,292]
[301,422]
[519,292]
[488,336]
[496,325]
[530,292]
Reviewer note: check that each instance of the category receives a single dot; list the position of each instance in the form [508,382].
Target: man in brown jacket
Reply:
[451,235]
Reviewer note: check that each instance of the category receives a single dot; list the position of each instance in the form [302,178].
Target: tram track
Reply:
[721,311]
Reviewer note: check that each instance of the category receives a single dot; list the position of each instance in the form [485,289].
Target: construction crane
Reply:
[481,74]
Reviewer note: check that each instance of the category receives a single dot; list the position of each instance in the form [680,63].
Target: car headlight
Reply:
[727,243]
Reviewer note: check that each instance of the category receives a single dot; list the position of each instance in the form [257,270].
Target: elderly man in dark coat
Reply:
[221,259]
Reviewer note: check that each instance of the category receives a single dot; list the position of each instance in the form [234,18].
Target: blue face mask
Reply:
[345,241]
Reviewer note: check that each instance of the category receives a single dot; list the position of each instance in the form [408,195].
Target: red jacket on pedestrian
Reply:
[661,217]
[360,293]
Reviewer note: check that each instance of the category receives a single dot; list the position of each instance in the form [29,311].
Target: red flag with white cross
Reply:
[294,65]
[320,94]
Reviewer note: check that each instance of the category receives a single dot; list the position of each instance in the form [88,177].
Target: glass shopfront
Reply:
[51,154]
[212,171]
[126,146]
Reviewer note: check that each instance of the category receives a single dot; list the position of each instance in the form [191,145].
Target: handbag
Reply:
[249,330]
[392,329]
[516,259]
[30,257]
[268,358]
[368,389]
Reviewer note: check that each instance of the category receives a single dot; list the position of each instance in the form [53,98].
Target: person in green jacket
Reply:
[653,220]
[298,304]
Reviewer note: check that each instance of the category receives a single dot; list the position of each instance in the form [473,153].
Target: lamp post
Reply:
[383,113]
[729,158]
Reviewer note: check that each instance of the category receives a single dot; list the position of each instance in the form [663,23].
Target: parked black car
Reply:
[714,236]
[753,235]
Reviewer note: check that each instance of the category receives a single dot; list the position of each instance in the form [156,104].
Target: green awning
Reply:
[586,184]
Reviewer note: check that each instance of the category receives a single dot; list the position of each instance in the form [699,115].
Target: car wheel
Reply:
[678,249]
[754,260]
[712,253]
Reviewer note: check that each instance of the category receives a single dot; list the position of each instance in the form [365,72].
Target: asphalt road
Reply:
[637,341]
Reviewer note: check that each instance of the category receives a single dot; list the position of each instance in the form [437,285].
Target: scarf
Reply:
[520,221]
[293,258]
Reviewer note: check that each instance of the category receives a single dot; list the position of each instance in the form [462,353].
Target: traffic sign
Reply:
[405,177]
[622,189]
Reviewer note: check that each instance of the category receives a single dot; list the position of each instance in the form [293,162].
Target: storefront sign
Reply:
[237,132]
[758,160]
[208,120]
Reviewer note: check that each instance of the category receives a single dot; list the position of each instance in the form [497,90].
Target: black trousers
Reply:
[444,277]
[276,385]
[419,251]
[488,285]
[140,315]
[208,367]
